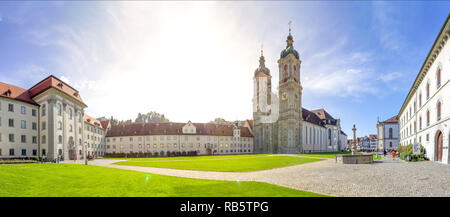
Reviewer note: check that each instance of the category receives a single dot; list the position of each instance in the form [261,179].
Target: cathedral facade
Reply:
[281,124]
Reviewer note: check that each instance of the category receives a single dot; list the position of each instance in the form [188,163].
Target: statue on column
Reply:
[354,140]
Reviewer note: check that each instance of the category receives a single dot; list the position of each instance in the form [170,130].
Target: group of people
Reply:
[57,160]
[393,152]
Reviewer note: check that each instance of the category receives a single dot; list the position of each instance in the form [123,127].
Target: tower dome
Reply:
[289,47]
[262,67]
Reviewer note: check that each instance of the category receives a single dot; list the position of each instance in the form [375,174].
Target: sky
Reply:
[195,60]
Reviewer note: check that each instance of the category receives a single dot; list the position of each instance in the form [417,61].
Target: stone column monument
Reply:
[354,140]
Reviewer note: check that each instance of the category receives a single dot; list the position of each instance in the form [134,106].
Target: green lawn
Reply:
[324,154]
[331,155]
[227,163]
[69,180]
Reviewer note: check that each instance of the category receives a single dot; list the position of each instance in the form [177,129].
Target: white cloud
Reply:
[187,60]
[392,76]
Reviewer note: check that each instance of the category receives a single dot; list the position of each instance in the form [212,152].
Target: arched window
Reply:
[329,136]
[428,118]
[420,100]
[428,90]
[59,125]
[420,123]
[390,133]
[44,110]
[58,108]
[438,78]
[439,111]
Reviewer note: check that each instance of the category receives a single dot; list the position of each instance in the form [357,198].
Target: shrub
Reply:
[406,153]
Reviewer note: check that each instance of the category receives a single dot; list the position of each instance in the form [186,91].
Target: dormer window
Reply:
[60,85]
[8,93]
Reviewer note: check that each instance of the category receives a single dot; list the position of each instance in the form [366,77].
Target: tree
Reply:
[220,120]
[151,117]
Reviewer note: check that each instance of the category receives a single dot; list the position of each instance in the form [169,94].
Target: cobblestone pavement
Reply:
[385,178]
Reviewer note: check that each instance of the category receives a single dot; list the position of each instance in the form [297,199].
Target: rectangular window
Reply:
[10,107]
[23,124]
[33,112]
[11,122]
[34,126]
[428,137]
[11,137]
[11,152]
[24,152]
[43,126]
[34,152]
[34,139]
[23,138]
[22,110]
[44,140]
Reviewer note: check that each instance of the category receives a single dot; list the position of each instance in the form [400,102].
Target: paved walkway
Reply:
[386,178]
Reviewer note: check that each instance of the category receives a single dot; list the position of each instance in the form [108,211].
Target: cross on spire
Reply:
[289,26]
[261,49]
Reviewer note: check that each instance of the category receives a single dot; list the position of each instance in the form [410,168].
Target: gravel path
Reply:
[385,178]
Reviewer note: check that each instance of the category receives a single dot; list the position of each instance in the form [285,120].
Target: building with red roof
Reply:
[388,134]
[47,120]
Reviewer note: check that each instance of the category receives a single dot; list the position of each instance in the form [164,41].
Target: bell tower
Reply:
[262,90]
[290,95]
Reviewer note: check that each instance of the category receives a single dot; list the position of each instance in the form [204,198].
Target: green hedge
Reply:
[407,150]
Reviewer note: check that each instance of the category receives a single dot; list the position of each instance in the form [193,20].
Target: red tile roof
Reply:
[141,129]
[92,121]
[53,82]
[392,120]
[15,93]
[322,114]
[105,124]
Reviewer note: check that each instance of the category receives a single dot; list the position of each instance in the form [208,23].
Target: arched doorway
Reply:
[208,151]
[72,150]
[439,146]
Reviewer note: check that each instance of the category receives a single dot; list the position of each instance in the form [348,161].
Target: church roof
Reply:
[392,120]
[322,114]
[311,117]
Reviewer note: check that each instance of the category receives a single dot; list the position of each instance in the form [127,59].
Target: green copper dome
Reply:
[289,48]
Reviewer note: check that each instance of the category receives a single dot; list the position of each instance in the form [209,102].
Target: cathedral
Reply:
[280,123]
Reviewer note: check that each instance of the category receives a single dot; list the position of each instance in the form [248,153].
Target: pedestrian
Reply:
[393,155]
[384,153]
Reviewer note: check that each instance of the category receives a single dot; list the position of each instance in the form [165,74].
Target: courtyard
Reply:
[281,176]
[386,177]
[224,163]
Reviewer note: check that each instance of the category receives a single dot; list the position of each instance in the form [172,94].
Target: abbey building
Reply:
[281,124]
